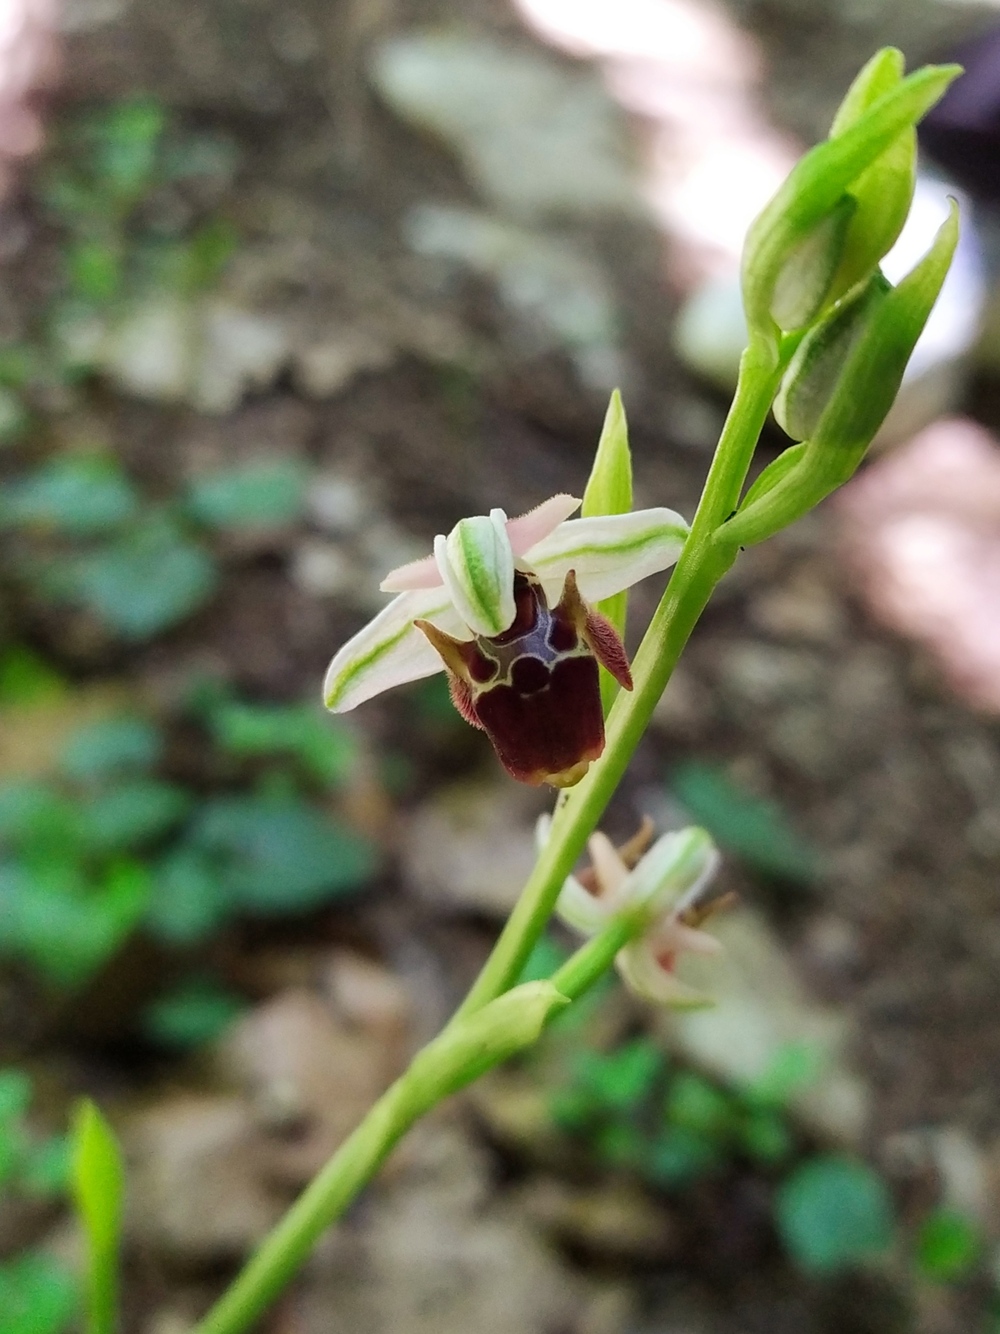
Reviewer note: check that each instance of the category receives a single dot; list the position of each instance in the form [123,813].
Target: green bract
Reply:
[609,491]
[842,205]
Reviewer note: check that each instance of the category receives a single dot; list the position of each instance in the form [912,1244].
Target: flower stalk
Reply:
[480,606]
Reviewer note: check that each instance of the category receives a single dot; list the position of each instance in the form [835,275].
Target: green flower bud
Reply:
[815,369]
[884,192]
[806,242]
[841,384]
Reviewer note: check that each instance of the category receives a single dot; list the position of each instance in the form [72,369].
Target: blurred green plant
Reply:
[98,1187]
[138,566]
[635,1109]
[37,1294]
[833,1213]
[756,832]
[108,844]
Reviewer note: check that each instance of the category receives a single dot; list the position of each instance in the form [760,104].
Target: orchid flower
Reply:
[523,670]
[669,882]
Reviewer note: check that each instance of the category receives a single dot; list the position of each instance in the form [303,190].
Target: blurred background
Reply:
[285,289]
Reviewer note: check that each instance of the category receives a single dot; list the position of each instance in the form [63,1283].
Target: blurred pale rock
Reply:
[472,847]
[324,368]
[207,353]
[539,140]
[762,1007]
[433,1254]
[616,1220]
[921,528]
[559,294]
[305,1069]
[196,1193]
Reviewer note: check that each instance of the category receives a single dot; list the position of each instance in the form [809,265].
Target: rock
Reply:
[337,503]
[431,1254]
[196,1195]
[240,350]
[325,366]
[557,292]
[761,1008]
[615,1221]
[324,569]
[537,139]
[309,1076]
[472,847]
[152,352]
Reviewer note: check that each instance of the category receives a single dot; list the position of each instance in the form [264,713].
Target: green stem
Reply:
[701,566]
[455,1058]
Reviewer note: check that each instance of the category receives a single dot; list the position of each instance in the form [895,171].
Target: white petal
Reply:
[580,909]
[389,650]
[422,573]
[610,870]
[677,866]
[608,553]
[477,566]
[527,529]
[643,975]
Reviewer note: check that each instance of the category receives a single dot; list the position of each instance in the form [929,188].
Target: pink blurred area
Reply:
[921,528]
[29,63]
[691,75]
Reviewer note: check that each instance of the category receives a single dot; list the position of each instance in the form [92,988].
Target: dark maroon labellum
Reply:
[534,689]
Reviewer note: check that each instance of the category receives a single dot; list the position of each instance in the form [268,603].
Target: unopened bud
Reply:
[815,370]
[811,241]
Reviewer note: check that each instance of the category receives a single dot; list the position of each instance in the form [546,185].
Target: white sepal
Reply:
[645,976]
[608,553]
[476,563]
[390,650]
[677,866]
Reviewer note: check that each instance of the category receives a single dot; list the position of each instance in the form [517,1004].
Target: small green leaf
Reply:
[95,271]
[99,1195]
[756,831]
[695,1104]
[948,1246]
[766,1138]
[794,1067]
[127,142]
[148,580]
[46,1167]
[37,1296]
[111,746]
[619,1081]
[192,1015]
[263,494]
[26,678]
[279,855]
[326,750]
[66,926]
[833,1213]
[679,1156]
[133,812]
[15,1096]
[80,495]
[188,900]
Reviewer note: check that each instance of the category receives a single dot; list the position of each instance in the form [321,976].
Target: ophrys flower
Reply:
[503,605]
